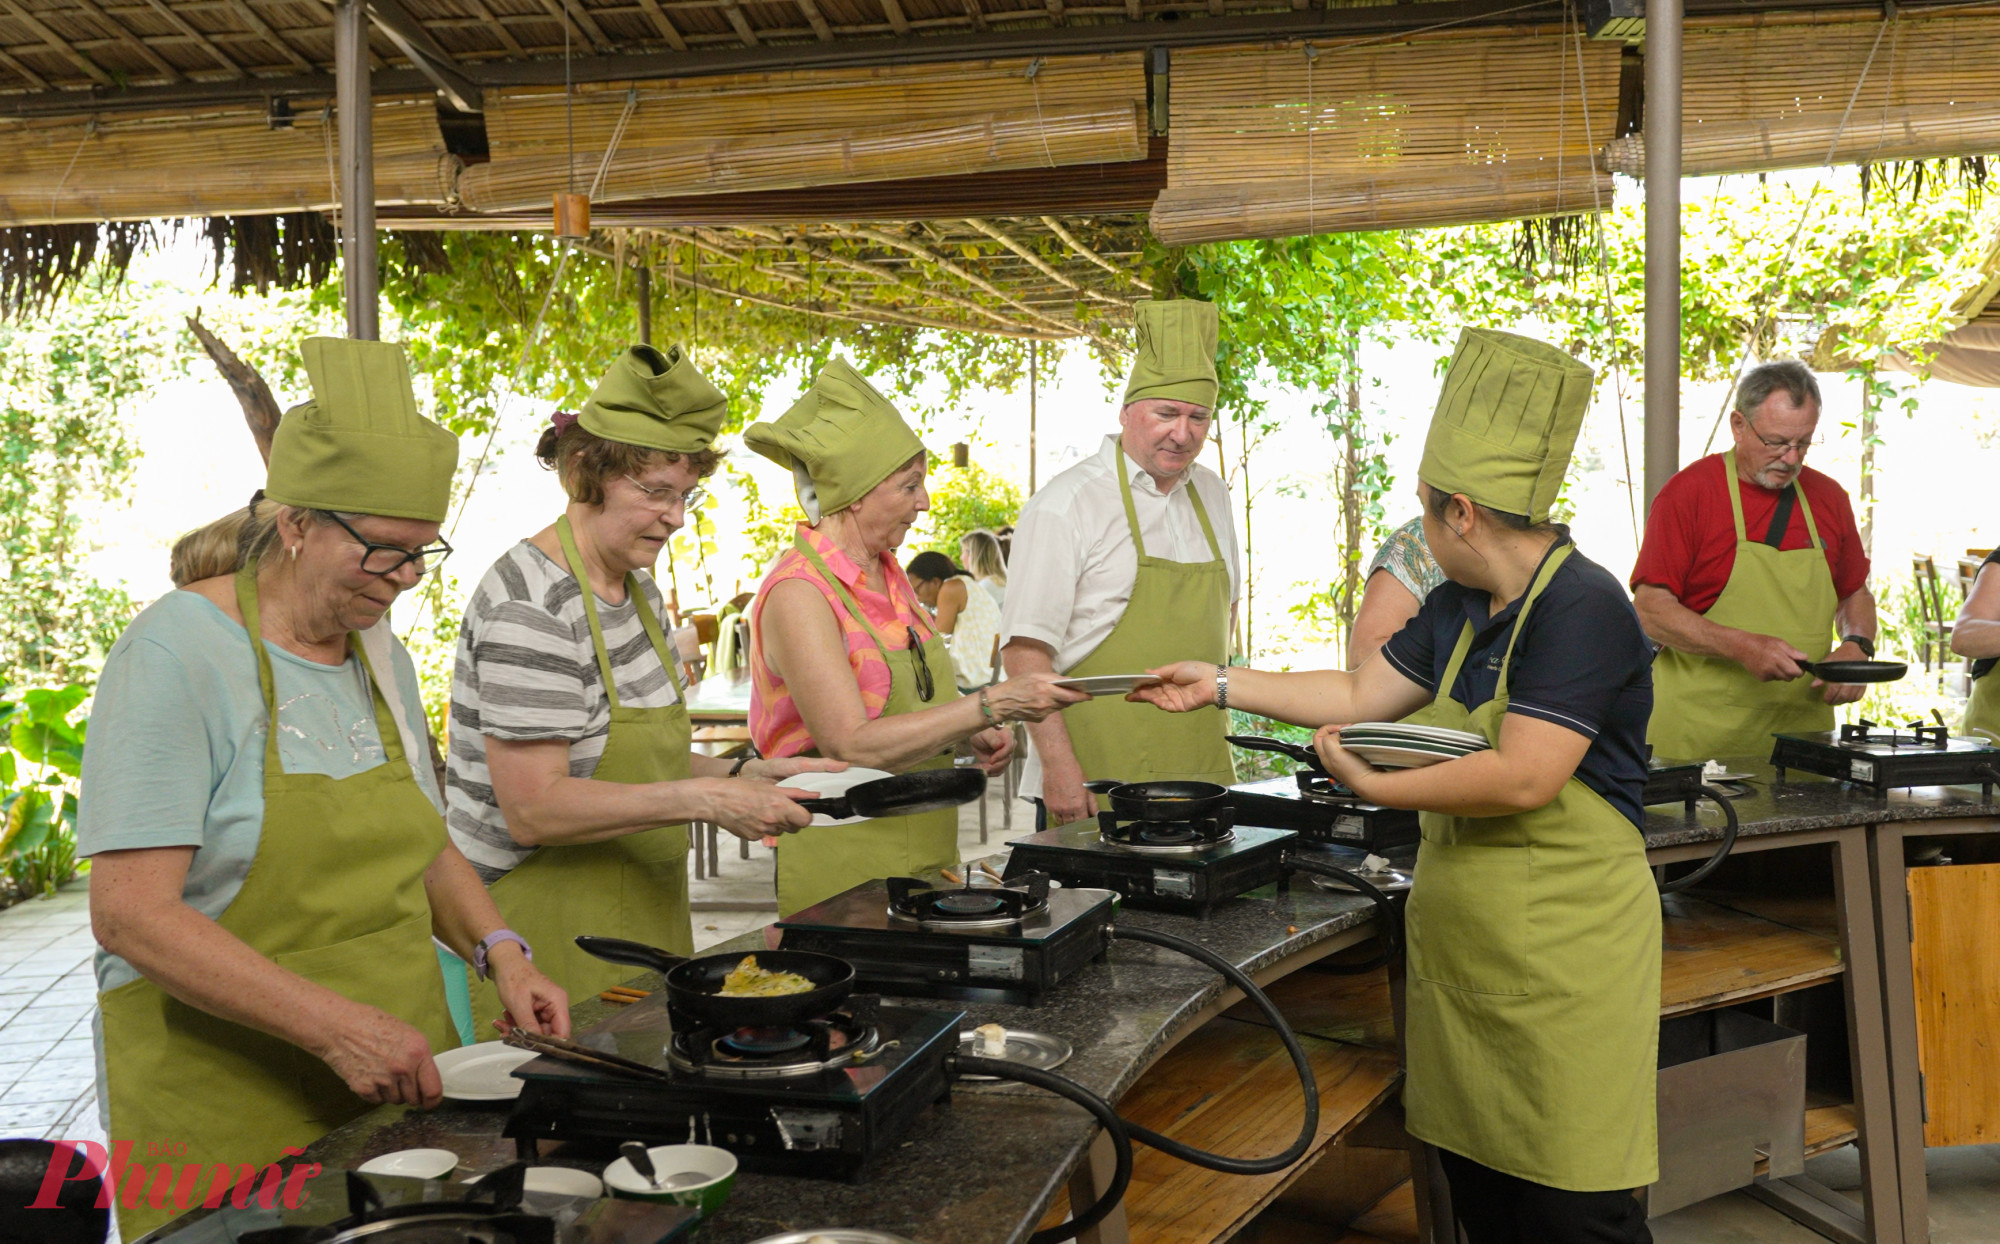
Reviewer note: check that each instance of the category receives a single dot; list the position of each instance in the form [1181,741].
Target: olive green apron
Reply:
[1533,975]
[1179,611]
[1704,707]
[1982,712]
[634,886]
[335,894]
[819,862]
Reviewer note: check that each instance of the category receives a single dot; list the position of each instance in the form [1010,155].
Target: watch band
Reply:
[742,760]
[1862,642]
[487,943]
[1222,687]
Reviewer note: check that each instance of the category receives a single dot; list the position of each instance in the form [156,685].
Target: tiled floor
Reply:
[47,998]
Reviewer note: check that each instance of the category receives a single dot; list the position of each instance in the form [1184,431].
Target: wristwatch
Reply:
[487,943]
[1862,642]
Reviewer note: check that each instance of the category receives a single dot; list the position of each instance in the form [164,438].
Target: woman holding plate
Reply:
[1533,924]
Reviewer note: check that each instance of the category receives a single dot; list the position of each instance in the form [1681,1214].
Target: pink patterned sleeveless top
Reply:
[775,724]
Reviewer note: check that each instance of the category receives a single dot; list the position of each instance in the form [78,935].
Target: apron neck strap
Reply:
[567,536]
[1132,510]
[853,607]
[385,725]
[1551,562]
[1735,489]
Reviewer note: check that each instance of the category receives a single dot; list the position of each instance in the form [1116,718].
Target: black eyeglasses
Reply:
[926,687]
[387,559]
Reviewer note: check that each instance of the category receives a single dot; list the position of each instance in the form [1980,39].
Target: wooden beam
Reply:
[897,21]
[34,79]
[1056,11]
[818,21]
[664,25]
[490,22]
[242,9]
[977,15]
[1038,263]
[950,267]
[1076,244]
[201,40]
[58,44]
[579,20]
[734,12]
[423,50]
[126,38]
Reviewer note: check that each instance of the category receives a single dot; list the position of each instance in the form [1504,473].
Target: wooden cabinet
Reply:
[1955,958]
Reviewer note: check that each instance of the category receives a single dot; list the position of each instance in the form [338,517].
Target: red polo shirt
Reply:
[1690,543]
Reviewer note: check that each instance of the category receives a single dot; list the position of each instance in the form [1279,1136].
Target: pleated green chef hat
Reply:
[1175,352]
[359,446]
[840,440]
[1506,422]
[656,401]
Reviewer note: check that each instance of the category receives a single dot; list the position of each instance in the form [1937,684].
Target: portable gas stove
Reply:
[1670,781]
[1008,943]
[1319,809]
[1866,754]
[1183,866]
[385,1209]
[822,1098]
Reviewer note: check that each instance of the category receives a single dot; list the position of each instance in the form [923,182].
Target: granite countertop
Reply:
[1805,801]
[982,1169]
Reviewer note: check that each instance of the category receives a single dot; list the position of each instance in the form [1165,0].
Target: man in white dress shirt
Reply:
[1125,562]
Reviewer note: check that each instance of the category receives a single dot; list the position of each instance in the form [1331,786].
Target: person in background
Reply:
[966,616]
[985,559]
[1400,575]
[268,862]
[1751,563]
[844,659]
[1128,561]
[1976,634]
[572,778]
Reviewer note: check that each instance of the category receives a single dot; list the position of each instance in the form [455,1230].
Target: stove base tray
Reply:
[1190,884]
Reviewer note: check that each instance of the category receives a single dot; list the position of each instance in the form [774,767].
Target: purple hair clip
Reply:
[562,420]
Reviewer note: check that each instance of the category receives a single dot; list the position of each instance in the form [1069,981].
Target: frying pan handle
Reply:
[1103,786]
[834,806]
[1259,743]
[633,954]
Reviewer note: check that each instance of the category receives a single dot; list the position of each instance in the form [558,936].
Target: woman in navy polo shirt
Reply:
[1533,976]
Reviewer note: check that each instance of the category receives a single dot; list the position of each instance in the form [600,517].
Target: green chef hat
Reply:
[1175,357]
[1506,422]
[359,446]
[840,440]
[656,401]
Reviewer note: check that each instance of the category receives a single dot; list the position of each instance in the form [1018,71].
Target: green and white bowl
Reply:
[718,1165]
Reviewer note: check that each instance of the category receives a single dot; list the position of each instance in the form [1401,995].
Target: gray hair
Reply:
[258,535]
[1760,382]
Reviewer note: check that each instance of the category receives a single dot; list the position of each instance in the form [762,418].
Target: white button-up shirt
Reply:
[1072,565]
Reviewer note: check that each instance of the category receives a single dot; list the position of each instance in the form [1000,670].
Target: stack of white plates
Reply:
[1397,745]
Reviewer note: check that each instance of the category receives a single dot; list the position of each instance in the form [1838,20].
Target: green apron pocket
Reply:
[358,968]
[1468,918]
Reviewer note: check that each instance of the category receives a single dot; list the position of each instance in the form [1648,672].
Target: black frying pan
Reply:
[1260,743]
[692,983]
[1162,801]
[902,795]
[1855,671]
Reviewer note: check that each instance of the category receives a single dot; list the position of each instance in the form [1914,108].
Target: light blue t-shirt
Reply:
[175,751]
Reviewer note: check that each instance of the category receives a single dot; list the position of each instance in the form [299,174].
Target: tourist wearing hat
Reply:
[844,659]
[1752,563]
[571,777]
[1534,925]
[1127,561]
[268,862]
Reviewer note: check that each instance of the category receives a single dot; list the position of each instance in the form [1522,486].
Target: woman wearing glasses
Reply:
[571,779]
[844,660]
[268,866]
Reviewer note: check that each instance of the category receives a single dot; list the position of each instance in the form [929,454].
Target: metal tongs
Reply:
[572,1052]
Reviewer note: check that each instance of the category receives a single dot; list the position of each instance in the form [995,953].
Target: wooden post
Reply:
[645,305]
[1034,381]
[1663,244]
[359,279]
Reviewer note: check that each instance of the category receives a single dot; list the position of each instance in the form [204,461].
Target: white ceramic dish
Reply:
[557,1181]
[413,1164]
[482,1072]
[832,784]
[1384,757]
[1109,684]
[1434,734]
[718,1165]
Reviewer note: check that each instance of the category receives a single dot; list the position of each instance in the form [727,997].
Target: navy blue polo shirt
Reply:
[1582,662]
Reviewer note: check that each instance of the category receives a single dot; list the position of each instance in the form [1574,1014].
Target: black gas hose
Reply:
[1115,1127]
[1240,979]
[1713,862]
[1388,916]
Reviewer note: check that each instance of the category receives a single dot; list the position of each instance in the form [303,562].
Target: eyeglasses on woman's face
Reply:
[384,560]
[666,497]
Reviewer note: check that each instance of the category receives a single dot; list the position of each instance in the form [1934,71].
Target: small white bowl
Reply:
[719,1165]
[413,1164]
[558,1181]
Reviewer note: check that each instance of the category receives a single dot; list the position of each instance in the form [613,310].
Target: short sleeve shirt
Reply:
[1405,555]
[1582,662]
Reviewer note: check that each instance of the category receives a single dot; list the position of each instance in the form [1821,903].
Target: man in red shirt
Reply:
[1751,564]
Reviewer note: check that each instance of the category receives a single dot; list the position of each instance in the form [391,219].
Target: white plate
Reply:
[1109,684]
[831,784]
[413,1164]
[482,1072]
[1350,738]
[1383,757]
[557,1181]
[1437,734]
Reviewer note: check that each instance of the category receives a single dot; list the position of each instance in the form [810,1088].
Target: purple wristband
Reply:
[487,943]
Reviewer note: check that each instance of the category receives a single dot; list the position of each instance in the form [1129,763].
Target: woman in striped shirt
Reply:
[844,659]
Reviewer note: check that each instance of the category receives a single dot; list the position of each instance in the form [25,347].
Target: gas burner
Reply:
[1166,837]
[825,1044]
[1319,786]
[1917,735]
[912,901]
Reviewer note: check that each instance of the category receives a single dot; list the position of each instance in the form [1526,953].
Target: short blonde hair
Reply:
[207,551]
[983,555]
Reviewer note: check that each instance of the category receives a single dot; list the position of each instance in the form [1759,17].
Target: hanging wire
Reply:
[1312,124]
[569,106]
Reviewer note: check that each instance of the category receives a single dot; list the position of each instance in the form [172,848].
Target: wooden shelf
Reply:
[1350,1009]
[1828,1127]
[1719,955]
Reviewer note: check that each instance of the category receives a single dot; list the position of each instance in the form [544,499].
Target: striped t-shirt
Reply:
[526,671]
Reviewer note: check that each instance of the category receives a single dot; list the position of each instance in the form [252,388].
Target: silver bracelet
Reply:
[1222,687]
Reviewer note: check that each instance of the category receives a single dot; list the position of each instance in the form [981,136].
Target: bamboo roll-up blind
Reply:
[224,162]
[1773,96]
[1273,141]
[790,131]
